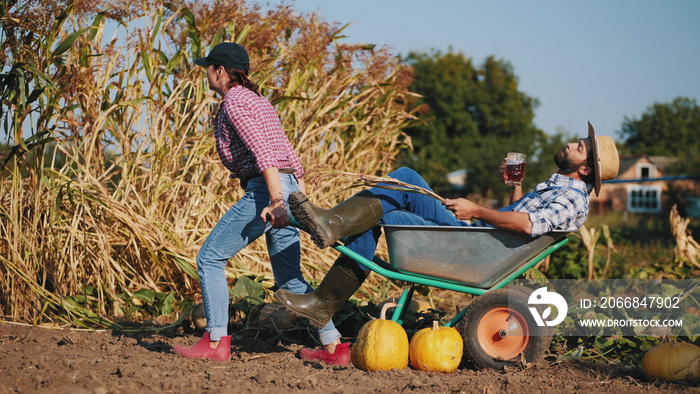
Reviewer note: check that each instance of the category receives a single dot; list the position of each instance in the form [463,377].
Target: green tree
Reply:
[475,116]
[667,129]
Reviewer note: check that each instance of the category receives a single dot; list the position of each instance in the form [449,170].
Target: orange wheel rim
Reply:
[503,333]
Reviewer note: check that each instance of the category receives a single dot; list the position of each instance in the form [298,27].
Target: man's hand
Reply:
[462,208]
[502,171]
[516,191]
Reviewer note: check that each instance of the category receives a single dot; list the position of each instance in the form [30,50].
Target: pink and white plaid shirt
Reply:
[249,135]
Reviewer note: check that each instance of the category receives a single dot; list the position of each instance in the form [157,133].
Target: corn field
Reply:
[110,180]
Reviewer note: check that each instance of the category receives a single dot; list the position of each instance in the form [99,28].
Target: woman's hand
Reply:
[276,213]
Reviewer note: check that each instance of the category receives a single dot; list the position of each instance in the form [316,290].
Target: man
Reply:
[560,203]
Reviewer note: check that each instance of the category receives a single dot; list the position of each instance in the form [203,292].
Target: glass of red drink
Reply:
[515,168]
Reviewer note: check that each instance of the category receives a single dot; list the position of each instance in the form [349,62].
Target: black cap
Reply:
[227,54]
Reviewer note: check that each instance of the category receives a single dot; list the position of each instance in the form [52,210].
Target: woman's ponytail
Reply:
[240,77]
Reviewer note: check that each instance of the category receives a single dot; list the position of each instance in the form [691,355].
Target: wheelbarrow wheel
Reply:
[498,330]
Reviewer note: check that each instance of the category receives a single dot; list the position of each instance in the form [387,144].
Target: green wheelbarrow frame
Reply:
[515,267]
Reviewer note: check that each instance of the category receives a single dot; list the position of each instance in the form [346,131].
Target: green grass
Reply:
[643,247]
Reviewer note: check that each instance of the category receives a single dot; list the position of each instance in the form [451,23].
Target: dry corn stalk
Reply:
[611,248]
[687,248]
[590,239]
[134,185]
[323,174]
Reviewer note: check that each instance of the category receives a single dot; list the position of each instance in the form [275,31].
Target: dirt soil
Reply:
[39,359]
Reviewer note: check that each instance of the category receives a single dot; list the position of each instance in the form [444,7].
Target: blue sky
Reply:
[597,60]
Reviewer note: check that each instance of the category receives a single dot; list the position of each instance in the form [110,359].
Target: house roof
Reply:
[627,162]
[661,162]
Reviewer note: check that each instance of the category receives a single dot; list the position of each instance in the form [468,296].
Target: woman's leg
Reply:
[240,226]
[285,256]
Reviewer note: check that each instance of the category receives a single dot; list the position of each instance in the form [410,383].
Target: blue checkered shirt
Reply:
[560,203]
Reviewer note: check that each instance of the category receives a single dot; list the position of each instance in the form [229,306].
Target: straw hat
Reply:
[607,160]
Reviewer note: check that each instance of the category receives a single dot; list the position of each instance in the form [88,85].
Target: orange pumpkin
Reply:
[381,345]
[436,349]
[672,361]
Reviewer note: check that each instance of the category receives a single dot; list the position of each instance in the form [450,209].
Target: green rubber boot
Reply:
[355,215]
[336,288]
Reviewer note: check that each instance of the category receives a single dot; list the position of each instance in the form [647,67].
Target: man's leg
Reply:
[346,275]
[425,207]
[352,216]
[319,306]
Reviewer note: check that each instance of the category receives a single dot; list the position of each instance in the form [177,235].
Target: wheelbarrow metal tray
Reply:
[472,256]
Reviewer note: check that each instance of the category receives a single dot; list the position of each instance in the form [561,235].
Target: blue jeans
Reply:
[403,208]
[240,226]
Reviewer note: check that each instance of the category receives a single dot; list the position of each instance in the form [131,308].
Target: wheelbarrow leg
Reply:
[403,304]
[319,306]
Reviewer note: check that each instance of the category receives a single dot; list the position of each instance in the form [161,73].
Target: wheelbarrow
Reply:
[497,327]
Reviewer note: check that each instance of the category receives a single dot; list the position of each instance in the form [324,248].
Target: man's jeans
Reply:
[240,226]
[403,208]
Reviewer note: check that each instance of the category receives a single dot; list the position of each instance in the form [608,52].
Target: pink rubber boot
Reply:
[341,356]
[202,349]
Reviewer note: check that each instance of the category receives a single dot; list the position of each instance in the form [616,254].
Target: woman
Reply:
[252,145]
